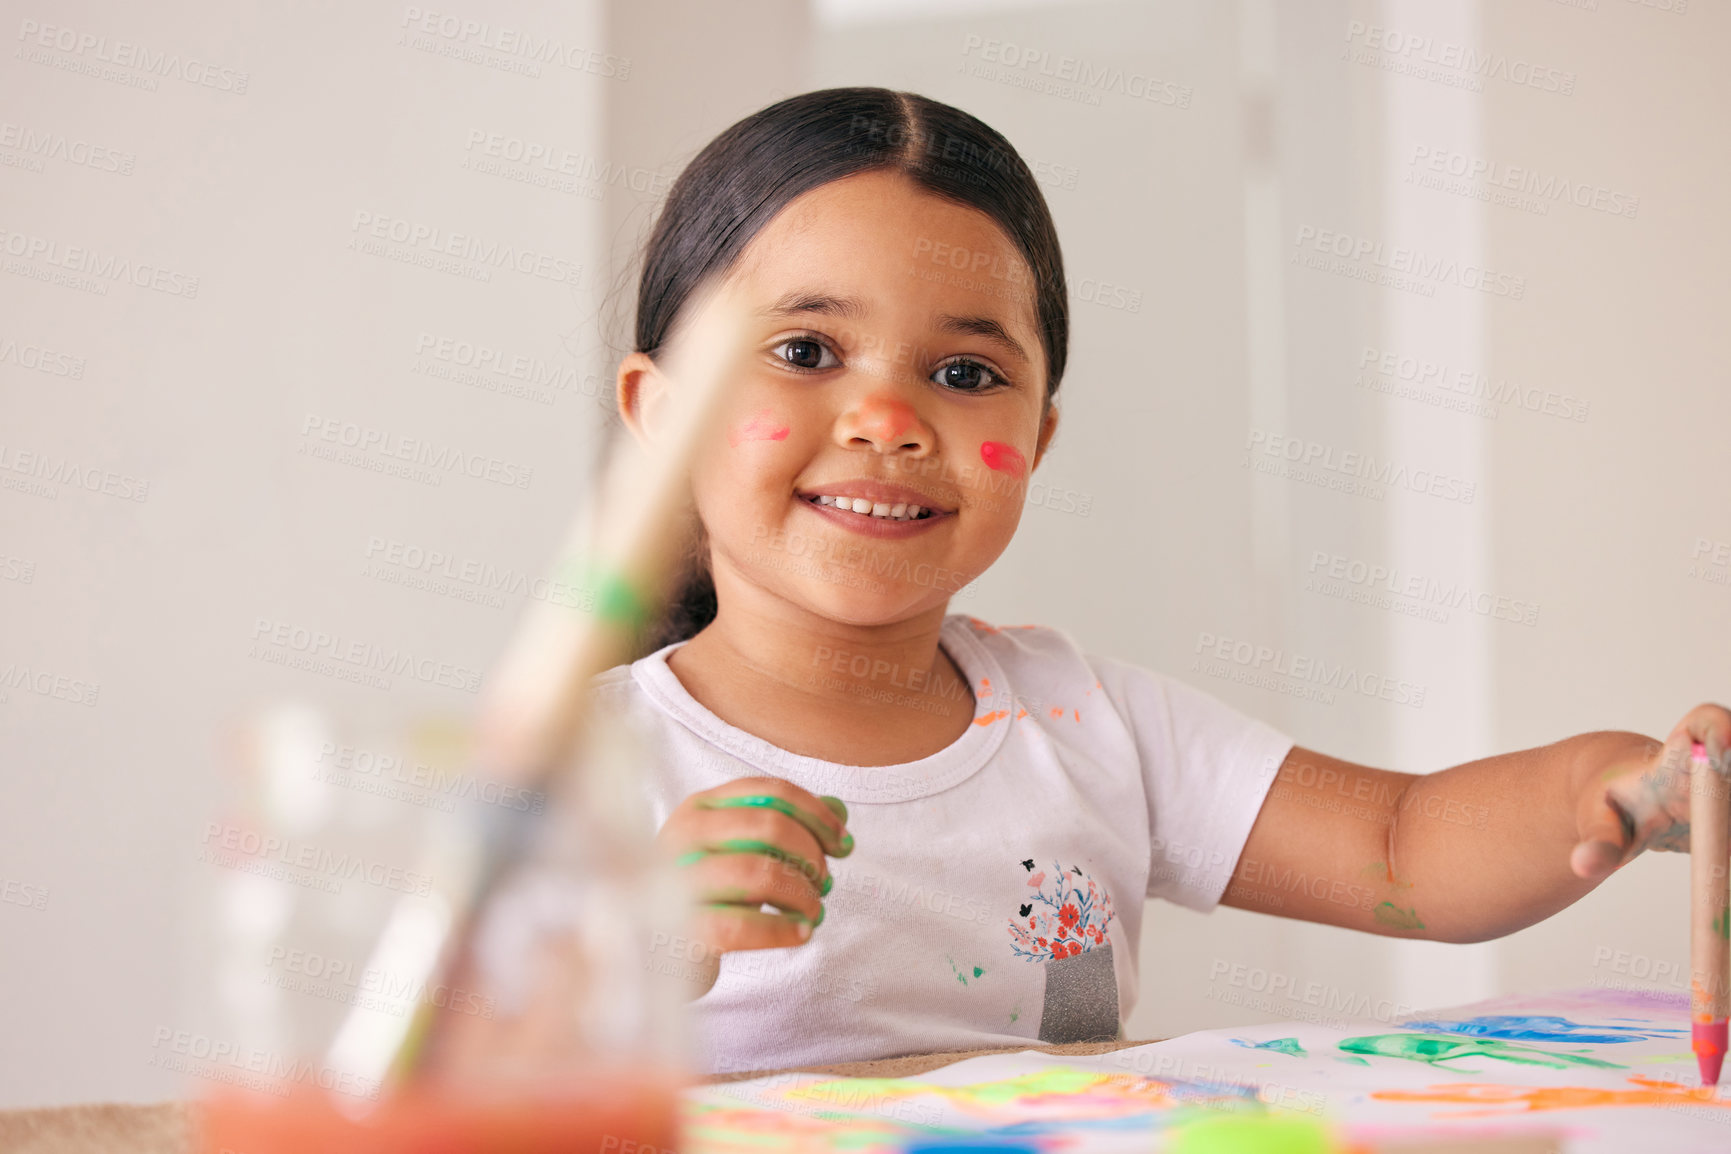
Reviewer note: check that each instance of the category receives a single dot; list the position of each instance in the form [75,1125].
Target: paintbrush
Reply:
[623,549]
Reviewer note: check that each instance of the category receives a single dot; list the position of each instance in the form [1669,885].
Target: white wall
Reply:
[153,602]
[1194,210]
[1200,210]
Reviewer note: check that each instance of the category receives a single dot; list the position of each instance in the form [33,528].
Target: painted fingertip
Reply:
[836,806]
[821,911]
[828,884]
[691,858]
[846,845]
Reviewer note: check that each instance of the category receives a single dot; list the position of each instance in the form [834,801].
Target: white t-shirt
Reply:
[995,892]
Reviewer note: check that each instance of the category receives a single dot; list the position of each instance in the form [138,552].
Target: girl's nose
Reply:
[885,424]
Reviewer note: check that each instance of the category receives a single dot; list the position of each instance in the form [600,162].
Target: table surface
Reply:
[166,1127]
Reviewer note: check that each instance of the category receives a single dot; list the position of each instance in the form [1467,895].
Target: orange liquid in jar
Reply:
[611,1114]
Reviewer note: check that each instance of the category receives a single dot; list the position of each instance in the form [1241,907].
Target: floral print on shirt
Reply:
[1067,914]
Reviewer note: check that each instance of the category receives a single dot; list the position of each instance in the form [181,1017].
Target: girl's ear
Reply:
[638,391]
[1048,426]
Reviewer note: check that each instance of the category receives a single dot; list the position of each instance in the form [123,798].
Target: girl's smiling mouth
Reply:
[873,508]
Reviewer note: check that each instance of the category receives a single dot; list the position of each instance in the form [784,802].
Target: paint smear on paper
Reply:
[1003,458]
[1057,1092]
[762,425]
[1278,1045]
[1433,1049]
[1534,1099]
[1538,1028]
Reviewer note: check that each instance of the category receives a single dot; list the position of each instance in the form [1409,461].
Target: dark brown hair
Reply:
[755,168]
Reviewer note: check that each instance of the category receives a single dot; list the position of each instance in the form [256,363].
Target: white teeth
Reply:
[883,509]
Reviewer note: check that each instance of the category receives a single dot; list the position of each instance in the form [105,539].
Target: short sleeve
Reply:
[1206,769]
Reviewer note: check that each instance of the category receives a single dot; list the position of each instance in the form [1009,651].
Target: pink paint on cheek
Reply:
[762,426]
[1003,458]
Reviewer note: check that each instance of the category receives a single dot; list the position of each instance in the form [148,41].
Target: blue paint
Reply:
[1538,1028]
[1278,1045]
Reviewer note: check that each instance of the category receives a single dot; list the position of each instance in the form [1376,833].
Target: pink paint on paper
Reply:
[1002,458]
[763,425]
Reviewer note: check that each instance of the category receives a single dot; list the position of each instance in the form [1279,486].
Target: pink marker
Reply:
[1709,914]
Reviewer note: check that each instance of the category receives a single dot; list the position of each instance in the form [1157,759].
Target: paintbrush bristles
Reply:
[629,539]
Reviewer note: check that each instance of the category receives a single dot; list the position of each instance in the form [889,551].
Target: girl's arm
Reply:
[1471,852]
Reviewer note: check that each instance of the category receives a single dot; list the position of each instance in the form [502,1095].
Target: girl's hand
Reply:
[754,842]
[1642,802]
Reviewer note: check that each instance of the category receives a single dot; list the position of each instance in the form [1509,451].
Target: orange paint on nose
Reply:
[763,425]
[886,418]
[1002,458]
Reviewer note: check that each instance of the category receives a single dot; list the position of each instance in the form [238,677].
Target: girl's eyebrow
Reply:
[805,301]
[852,308]
[982,327]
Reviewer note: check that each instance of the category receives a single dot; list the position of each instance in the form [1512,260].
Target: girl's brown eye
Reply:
[804,353]
[966,376]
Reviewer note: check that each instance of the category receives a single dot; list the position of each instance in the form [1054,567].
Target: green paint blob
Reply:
[1433,1049]
[1722,924]
[961,972]
[1390,914]
[1244,1134]
[1354,1059]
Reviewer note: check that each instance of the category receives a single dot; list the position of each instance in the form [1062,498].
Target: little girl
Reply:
[997,802]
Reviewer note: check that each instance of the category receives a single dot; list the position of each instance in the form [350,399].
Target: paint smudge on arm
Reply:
[1389,914]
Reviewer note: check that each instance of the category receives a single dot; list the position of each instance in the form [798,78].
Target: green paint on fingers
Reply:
[751,845]
[1722,924]
[822,832]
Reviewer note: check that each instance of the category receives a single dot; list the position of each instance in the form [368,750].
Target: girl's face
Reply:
[896,368]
